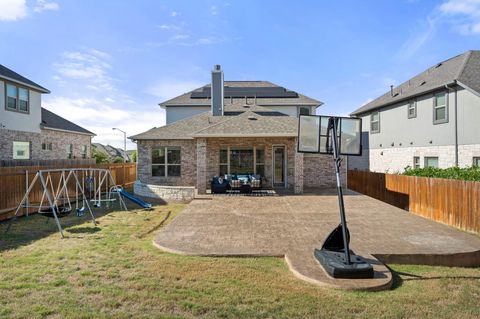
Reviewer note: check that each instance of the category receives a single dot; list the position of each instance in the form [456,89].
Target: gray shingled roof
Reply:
[53,121]
[463,69]
[8,74]
[256,121]
[186,100]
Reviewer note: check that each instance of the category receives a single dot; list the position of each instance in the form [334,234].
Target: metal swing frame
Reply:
[60,195]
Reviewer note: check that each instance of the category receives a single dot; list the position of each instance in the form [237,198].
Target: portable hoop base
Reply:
[335,264]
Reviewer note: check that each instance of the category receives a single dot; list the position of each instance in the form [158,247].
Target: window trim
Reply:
[17,104]
[29,149]
[371,122]
[70,151]
[414,102]
[414,162]
[84,151]
[436,107]
[474,159]
[166,164]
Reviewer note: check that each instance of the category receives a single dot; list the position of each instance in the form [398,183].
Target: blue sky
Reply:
[109,63]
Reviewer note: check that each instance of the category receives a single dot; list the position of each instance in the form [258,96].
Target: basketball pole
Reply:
[336,155]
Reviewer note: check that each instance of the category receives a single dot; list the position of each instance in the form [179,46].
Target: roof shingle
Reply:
[52,120]
[8,74]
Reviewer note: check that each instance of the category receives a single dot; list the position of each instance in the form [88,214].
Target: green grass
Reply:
[114,271]
[466,174]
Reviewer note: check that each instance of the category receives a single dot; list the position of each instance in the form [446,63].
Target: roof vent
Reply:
[423,83]
[438,65]
[252,118]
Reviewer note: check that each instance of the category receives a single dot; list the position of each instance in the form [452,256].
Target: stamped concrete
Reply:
[292,226]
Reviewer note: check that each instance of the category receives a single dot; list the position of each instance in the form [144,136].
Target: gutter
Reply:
[456,120]
[66,131]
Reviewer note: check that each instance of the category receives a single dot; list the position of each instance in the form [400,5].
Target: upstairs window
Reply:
[304,110]
[17,98]
[416,162]
[476,161]
[412,109]
[440,111]
[375,122]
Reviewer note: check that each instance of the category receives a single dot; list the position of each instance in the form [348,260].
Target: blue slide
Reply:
[134,199]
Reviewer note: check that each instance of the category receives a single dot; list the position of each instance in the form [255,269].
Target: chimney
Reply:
[217,91]
[391,90]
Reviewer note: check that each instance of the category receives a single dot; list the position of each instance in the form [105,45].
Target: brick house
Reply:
[227,128]
[30,132]
[430,120]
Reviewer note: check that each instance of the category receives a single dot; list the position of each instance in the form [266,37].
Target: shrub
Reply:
[466,174]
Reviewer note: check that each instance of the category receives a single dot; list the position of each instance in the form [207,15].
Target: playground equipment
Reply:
[86,184]
[335,136]
[132,198]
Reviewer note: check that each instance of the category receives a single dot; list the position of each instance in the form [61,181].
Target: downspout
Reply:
[456,121]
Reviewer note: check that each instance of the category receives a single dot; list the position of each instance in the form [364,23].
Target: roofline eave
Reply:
[44,127]
[37,88]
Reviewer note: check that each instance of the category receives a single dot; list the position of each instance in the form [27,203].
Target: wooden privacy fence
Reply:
[15,180]
[449,201]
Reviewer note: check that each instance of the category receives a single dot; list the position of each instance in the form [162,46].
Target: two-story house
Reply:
[225,128]
[30,132]
[430,120]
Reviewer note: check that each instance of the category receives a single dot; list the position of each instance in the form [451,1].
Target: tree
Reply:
[100,157]
[134,156]
[118,159]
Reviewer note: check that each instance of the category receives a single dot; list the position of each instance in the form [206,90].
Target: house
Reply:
[431,120]
[30,132]
[229,127]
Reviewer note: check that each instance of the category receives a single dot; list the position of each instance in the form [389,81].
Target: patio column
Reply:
[298,186]
[201,165]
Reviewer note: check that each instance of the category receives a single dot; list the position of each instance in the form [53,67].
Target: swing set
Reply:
[92,185]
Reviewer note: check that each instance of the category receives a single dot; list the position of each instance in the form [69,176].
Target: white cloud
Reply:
[464,15]
[168,88]
[44,5]
[11,10]
[174,13]
[213,10]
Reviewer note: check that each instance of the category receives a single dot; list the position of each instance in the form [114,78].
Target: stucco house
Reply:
[430,120]
[229,127]
[30,132]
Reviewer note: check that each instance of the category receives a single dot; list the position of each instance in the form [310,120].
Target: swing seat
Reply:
[62,211]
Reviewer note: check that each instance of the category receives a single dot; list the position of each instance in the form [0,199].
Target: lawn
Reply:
[113,270]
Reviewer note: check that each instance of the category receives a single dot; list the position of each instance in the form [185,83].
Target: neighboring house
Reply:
[30,132]
[430,120]
[226,128]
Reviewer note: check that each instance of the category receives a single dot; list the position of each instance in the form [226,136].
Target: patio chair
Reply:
[219,186]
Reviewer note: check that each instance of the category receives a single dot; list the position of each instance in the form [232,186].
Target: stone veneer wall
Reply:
[59,141]
[188,167]
[395,159]
[167,193]
[215,144]
[319,171]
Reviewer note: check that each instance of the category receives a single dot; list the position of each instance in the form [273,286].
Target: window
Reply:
[440,113]
[375,122]
[223,162]
[17,98]
[260,161]
[416,162]
[412,109]
[431,162]
[84,151]
[69,150]
[476,161]
[166,161]
[11,97]
[21,150]
[304,110]
[242,160]
[46,146]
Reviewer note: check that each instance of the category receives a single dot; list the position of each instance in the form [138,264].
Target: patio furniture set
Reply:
[245,183]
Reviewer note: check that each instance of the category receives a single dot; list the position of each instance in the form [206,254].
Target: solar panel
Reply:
[241,92]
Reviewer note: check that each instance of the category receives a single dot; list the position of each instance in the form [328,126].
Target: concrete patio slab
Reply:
[292,226]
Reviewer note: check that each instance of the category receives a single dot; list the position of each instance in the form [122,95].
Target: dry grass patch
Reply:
[113,270]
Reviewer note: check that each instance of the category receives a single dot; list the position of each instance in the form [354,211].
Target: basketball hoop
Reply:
[337,136]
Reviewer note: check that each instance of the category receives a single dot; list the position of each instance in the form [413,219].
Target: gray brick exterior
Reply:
[319,171]
[59,140]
